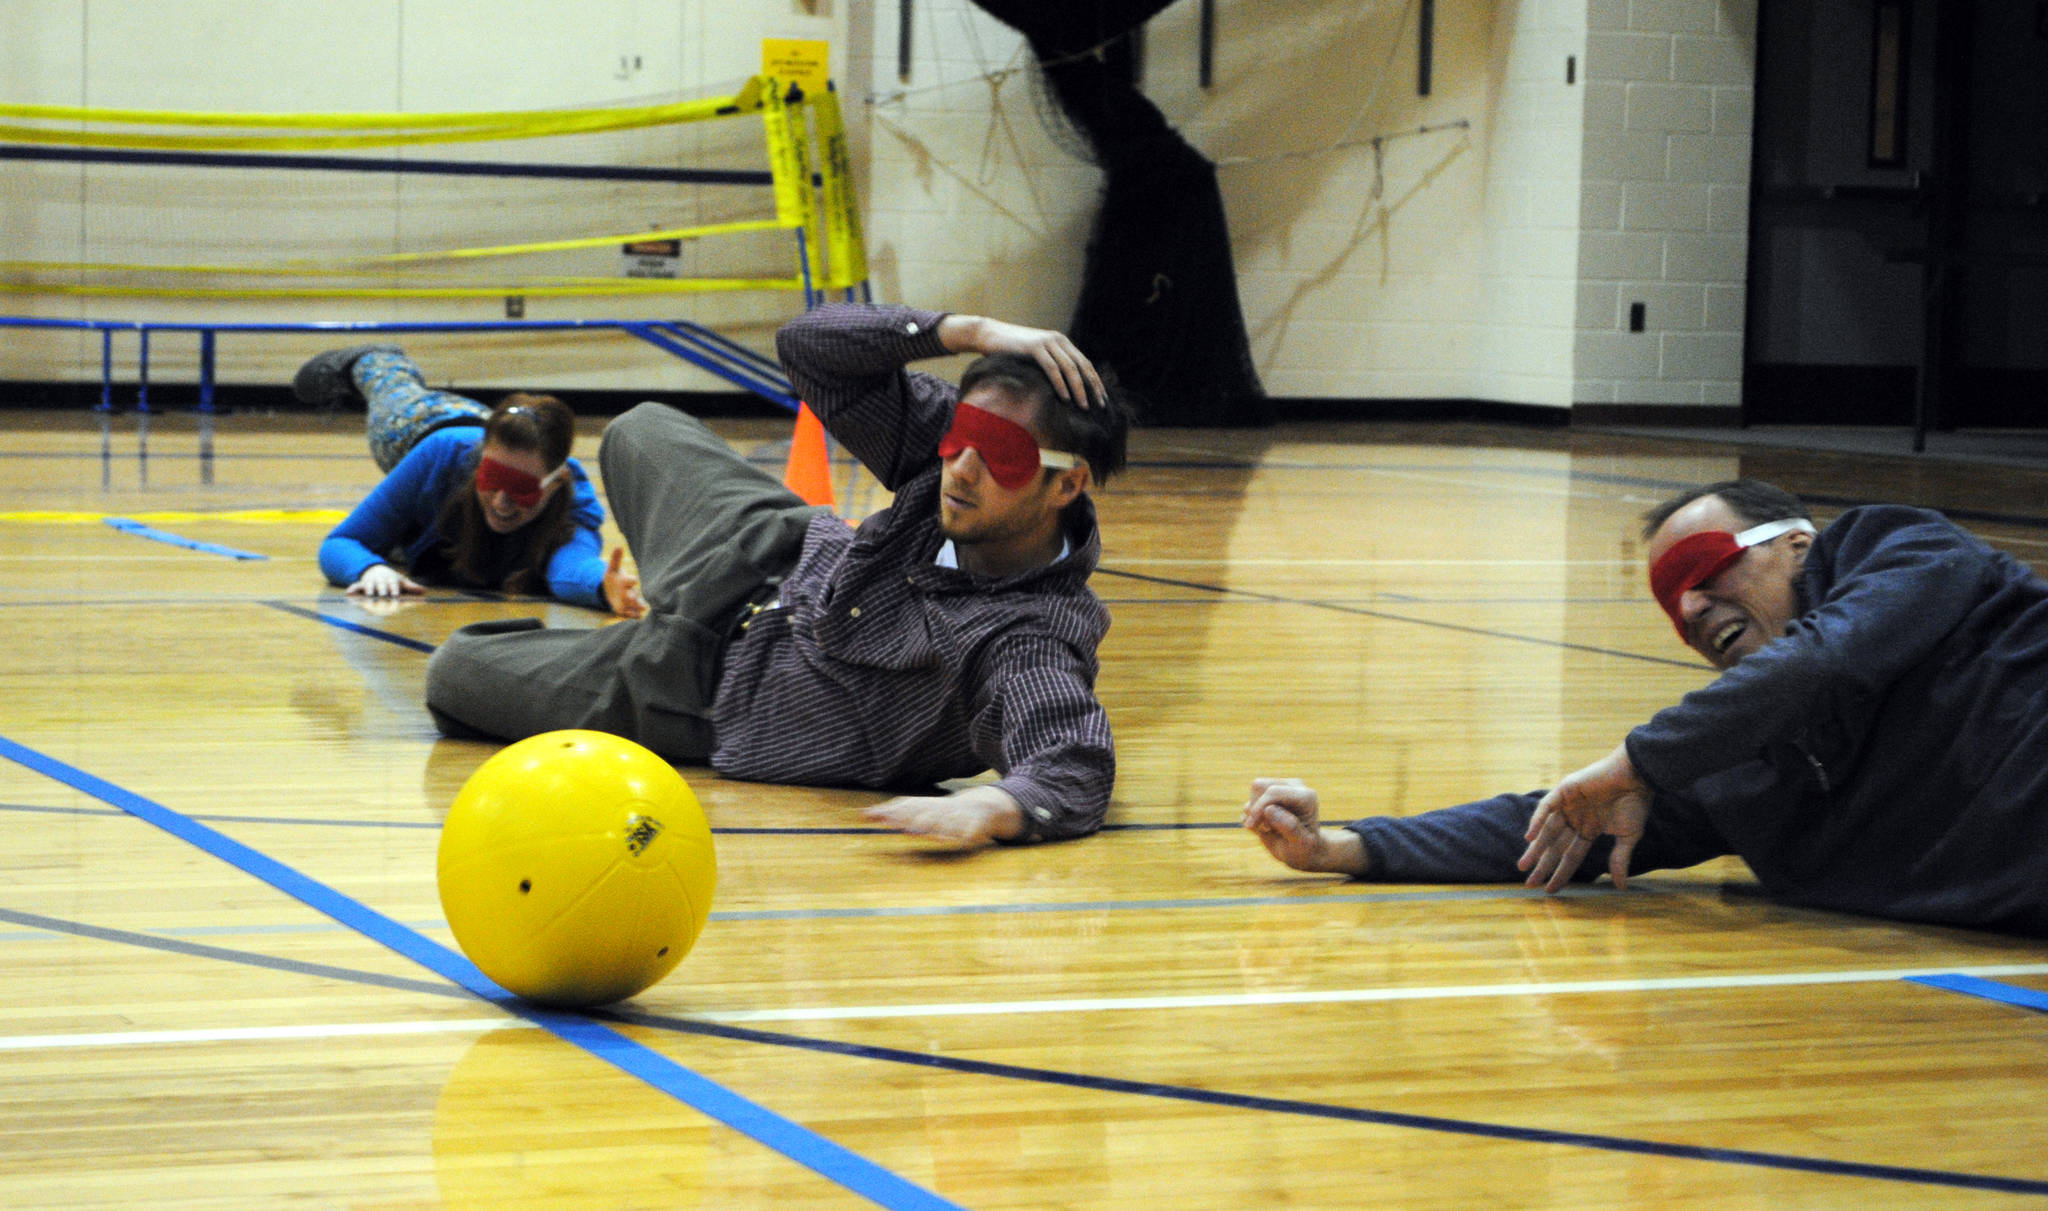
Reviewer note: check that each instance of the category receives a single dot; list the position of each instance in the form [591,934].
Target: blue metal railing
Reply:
[694,343]
[700,346]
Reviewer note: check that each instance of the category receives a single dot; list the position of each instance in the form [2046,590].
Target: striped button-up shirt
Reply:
[877,667]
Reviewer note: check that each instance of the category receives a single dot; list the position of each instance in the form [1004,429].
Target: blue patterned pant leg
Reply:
[403,409]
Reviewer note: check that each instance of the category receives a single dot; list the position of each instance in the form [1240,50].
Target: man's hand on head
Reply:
[1073,375]
[977,816]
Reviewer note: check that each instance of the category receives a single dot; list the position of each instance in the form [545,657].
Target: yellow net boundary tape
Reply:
[602,286]
[370,129]
[835,256]
[364,265]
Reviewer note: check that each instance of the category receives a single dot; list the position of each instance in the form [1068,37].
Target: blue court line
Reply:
[854,831]
[1573,474]
[1384,1118]
[1827,500]
[1103,1084]
[217,818]
[404,641]
[736,831]
[1222,590]
[1360,611]
[200,950]
[1990,990]
[800,1144]
[1499,892]
[130,526]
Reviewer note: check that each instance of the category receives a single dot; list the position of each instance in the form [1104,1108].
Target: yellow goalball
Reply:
[576,868]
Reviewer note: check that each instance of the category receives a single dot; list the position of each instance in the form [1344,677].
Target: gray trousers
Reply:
[709,531]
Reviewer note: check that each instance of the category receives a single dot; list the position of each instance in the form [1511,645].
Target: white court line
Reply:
[1354,995]
[831,1013]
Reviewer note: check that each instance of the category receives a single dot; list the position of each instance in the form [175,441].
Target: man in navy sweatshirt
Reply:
[1877,742]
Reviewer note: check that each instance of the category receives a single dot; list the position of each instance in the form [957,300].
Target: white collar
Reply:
[950,558]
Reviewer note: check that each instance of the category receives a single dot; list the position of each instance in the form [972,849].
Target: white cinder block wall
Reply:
[1522,321]
[1665,202]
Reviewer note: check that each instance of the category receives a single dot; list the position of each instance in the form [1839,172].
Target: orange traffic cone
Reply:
[809,473]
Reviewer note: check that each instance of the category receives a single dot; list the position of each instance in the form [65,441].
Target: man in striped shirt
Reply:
[951,633]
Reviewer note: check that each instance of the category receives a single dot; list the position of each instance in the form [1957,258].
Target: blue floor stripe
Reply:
[1385,1118]
[732,831]
[1504,892]
[1362,612]
[130,526]
[404,641]
[1990,990]
[799,1144]
[199,950]
[1732,1156]
[1221,590]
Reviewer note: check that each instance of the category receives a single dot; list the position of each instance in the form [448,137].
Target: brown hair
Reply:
[1097,433]
[542,425]
[1752,500]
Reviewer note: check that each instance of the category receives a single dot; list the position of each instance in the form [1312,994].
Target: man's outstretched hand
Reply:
[1605,798]
[1286,817]
[977,816]
[622,588]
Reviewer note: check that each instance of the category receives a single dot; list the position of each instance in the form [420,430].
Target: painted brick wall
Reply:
[1522,325]
[1665,201]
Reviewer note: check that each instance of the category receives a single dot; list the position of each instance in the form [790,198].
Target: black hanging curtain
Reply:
[1158,291]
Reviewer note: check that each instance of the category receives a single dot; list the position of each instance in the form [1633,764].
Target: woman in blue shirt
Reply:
[473,497]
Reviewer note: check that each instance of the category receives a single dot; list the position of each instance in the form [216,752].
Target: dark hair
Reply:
[1752,500]
[1097,433]
[540,424]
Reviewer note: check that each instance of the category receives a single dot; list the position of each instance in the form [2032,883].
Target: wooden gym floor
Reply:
[1155,1017]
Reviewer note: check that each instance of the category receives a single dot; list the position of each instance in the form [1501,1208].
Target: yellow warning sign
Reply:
[798,61]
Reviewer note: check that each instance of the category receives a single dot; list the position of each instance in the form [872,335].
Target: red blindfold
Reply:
[1697,558]
[525,490]
[1007,448]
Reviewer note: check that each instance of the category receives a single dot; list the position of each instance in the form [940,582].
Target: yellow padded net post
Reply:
[847,251]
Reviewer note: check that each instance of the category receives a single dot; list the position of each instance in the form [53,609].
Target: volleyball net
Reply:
[750,191]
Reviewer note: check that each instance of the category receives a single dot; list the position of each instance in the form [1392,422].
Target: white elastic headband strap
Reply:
[1757,535]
